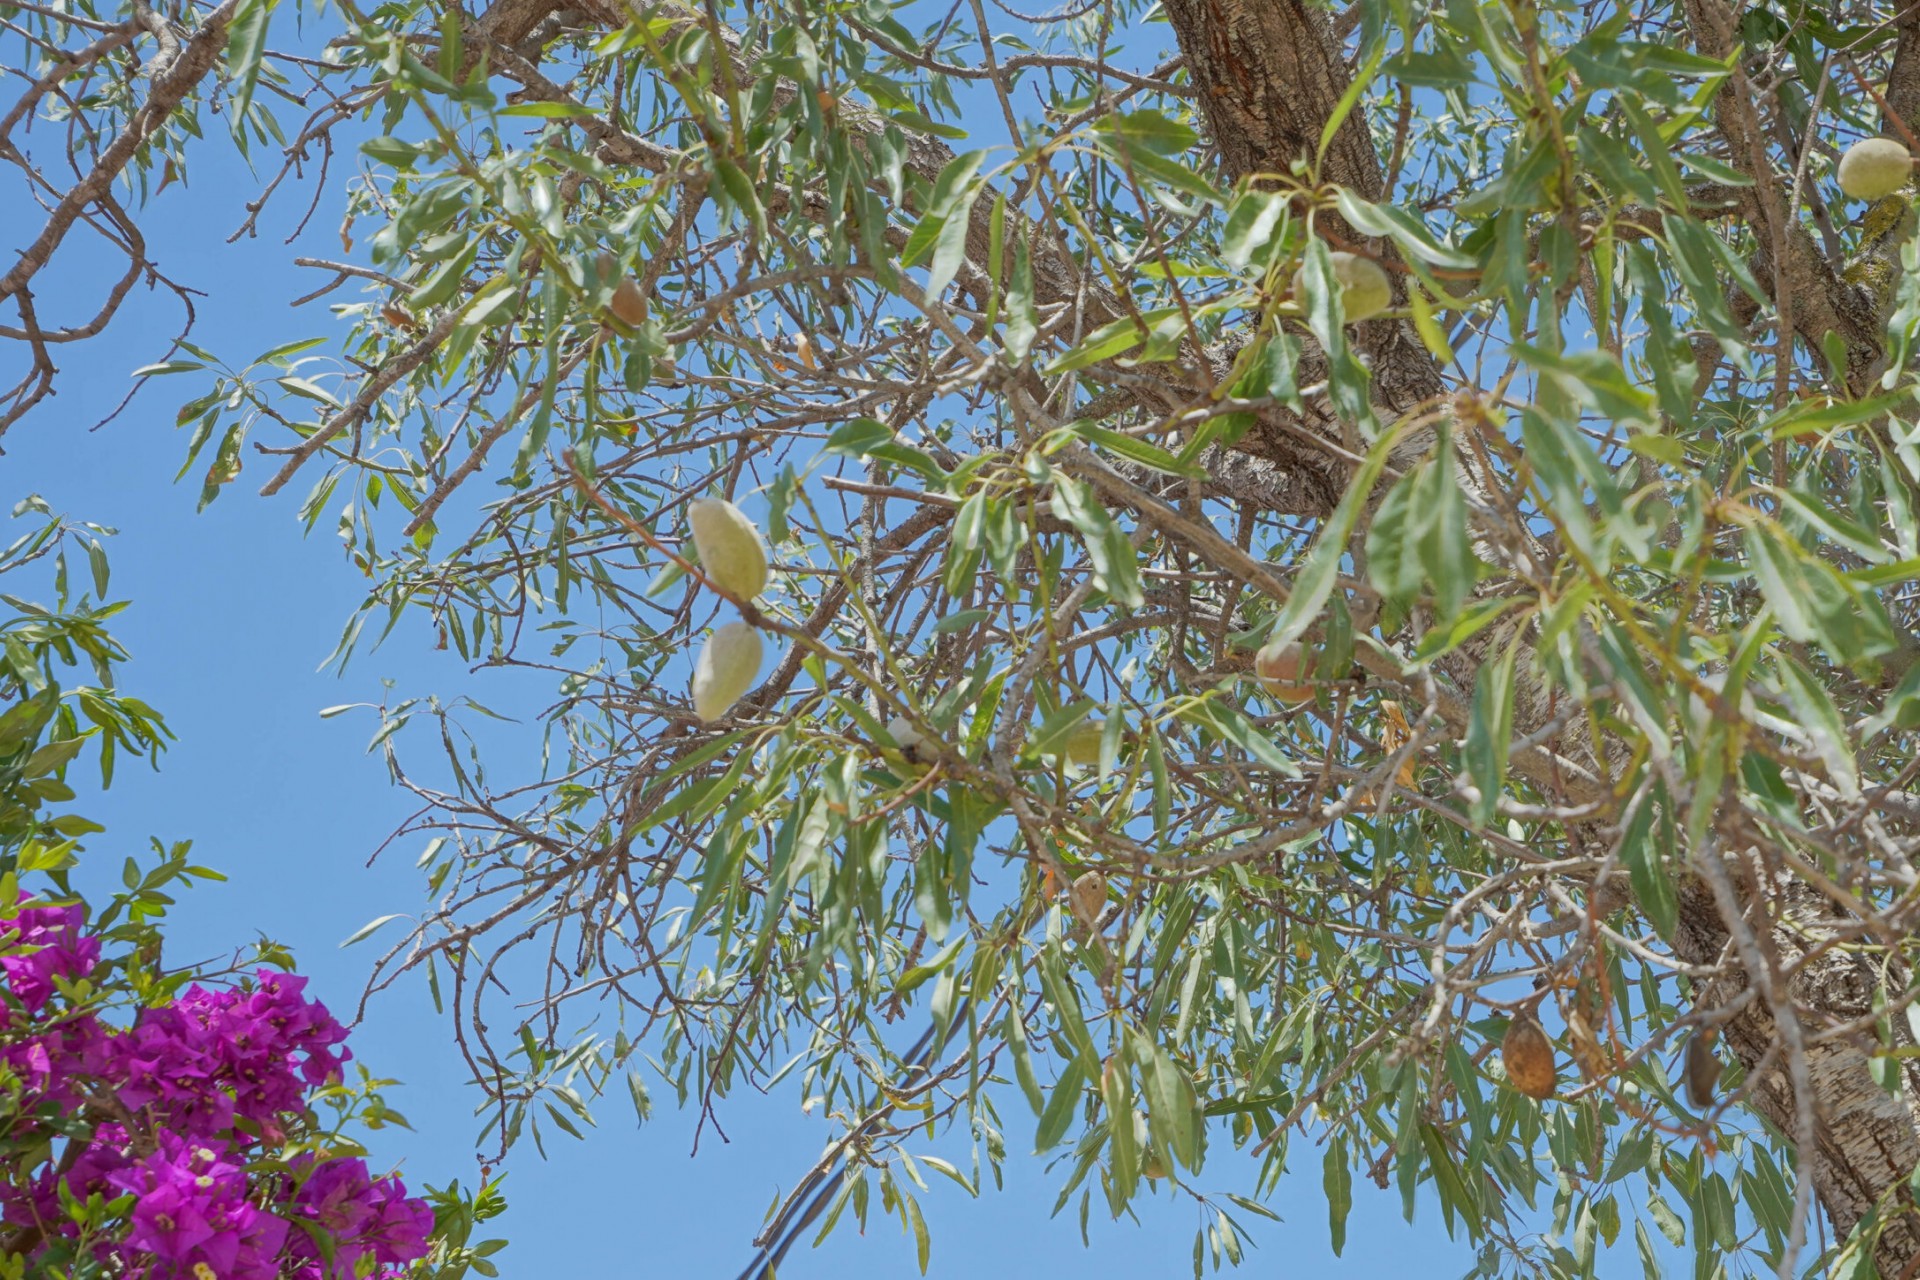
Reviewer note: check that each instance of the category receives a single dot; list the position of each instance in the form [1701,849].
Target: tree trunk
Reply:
[1866,1141]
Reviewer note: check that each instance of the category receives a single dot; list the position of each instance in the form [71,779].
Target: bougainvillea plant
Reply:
[156,1121]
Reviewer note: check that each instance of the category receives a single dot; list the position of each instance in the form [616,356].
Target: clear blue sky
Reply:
[234,610]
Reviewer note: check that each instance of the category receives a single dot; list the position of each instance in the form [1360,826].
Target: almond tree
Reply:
[1199,708]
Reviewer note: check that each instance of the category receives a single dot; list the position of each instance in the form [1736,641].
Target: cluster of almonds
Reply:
[1872,169]
[734,559]
[1527,1054]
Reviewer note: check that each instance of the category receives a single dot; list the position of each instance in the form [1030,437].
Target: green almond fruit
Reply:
[1365,290]
[726,669]
[731,552]
[1875,168]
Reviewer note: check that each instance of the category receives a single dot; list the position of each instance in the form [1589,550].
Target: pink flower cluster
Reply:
[60,950]
[187,1106]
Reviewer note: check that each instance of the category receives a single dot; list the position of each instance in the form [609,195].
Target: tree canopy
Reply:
[1198,708]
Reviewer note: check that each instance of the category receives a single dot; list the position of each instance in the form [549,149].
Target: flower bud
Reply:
[1365,290]
[726,668]
[731,553]
[1875,168]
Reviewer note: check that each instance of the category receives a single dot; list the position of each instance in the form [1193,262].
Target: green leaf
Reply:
[1021,324]
[858,437]
[922,1244]
[51,757]
[1394,562]
[1646,862]
[1147,130]
[1061,1106]
[1811,601]
[1902,709]
[1138,450]
[1403,227]
[1349,99]
[1050,738]
[1123,1143]
[1227,721]
[1337,1180]
[917,975]
[368,929]
[1316,580]
[1173,1107]
[949,246]
[1446,552]
[445,280]
[911,119]
[1824,415]
[1649,1259]
[1596,379]
[968,539]
[1490,733]
[1104,343]
[1250,224]
[548,110]
[950,189]
[719,868]
[1013,1031]
[246,46]
[1666,1219]
[1820,720]
[1116,567]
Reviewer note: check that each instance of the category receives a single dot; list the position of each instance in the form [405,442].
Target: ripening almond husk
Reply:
[1396,733]
[1280,672]
[726,668]
[628,304]
[1090,898]
[1588,1054]
[1528,1056]
[731,552]
[1703,1070]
